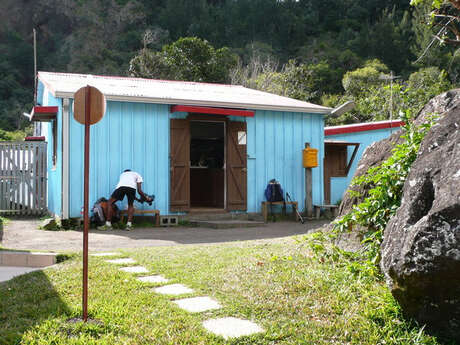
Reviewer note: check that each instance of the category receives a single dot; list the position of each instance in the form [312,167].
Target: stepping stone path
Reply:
[231,327]
[121,261]
[153,279]
[198,304]
[134,269]
[228,327]
[174,289]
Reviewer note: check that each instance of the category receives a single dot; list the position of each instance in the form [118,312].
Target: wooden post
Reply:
[308,189]
[89,108]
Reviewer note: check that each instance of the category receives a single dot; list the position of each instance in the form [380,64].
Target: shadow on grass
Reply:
[26,302]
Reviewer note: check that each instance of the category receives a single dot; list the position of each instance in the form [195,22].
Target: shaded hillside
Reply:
[101,36]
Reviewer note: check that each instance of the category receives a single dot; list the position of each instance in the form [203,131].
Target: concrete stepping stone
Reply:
[121,261]
[104,254]
[173,289]
[198,304]
[153,279]
[134,269]
[231,327]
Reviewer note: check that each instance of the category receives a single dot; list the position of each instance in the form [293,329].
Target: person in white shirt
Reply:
[129,182]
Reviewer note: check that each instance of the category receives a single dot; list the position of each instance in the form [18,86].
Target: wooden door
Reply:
[236,166]
[179,165]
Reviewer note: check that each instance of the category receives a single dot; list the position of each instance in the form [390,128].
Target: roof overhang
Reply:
[339,143]
[211,110]
[42,114]
[362,127]
[207,103]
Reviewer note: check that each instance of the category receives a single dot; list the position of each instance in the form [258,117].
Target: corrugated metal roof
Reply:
[64,85]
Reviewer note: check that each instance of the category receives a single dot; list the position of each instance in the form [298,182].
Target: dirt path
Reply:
[24,234]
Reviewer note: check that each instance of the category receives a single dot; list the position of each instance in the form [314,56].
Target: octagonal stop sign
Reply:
[97,104]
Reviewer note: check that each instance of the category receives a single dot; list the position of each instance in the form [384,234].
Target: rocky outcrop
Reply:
[421,247]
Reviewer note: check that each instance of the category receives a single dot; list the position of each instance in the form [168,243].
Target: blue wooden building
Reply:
[198,146]
[343,148]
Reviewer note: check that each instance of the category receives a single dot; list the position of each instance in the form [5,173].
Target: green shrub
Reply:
[384,184]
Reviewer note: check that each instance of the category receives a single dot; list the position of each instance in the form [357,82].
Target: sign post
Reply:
[308,189]
[89,108]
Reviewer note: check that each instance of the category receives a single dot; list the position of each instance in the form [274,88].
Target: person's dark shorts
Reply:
[120,193]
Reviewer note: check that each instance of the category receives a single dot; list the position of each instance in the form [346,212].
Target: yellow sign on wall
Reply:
[310,157]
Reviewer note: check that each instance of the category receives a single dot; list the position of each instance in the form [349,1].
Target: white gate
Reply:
[23,178]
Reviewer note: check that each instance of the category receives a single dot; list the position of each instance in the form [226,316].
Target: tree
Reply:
[372,95]
[445,15]
[190,59]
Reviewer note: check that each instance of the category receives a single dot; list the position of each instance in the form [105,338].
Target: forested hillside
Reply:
[299,48]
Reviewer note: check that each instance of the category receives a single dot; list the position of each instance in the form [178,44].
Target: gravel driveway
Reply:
[24,234]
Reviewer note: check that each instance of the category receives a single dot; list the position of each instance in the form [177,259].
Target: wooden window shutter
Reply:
[179,195]
[236,166]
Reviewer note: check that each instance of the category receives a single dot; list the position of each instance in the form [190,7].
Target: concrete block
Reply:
[14,259]
[169,220]
[40,259]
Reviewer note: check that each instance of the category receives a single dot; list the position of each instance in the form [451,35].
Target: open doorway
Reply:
[207,168]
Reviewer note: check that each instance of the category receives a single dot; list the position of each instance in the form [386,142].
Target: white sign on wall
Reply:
[241,138]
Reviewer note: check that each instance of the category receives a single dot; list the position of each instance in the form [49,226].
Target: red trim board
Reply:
[38,109]
[42,113]
[210,110]
[362,127]
[34,139]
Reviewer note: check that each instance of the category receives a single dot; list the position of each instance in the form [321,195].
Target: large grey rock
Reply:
[421,247]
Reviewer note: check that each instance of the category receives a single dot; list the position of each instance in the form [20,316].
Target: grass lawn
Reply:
[277,285]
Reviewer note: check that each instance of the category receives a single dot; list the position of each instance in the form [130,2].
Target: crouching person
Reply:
[128,183]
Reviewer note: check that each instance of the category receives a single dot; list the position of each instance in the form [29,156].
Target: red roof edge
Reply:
[362,127]
[210,110]
[43,113]
[34,139]
[38,109]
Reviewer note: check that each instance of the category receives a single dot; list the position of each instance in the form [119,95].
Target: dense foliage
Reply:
[384,184]
[308,48]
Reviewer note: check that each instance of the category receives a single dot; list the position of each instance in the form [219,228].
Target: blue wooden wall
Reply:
[275,144]
[130,136]
[54,172]
[339,185]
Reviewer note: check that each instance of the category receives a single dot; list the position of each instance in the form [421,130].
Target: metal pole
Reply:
[35,67]
[391,100]
[85,206]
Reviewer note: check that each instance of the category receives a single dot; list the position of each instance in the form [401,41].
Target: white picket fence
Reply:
[23,178]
